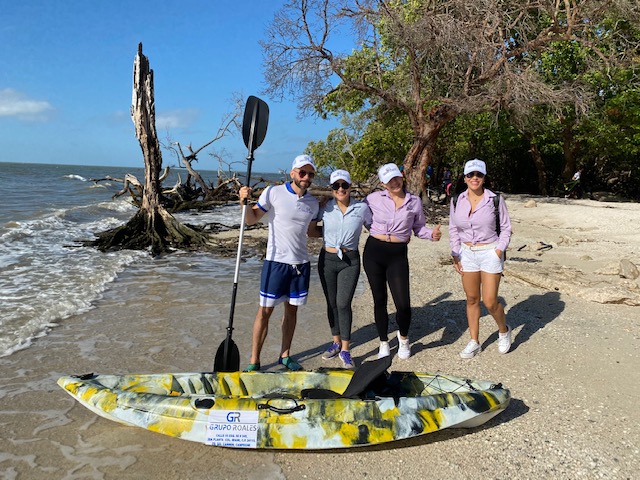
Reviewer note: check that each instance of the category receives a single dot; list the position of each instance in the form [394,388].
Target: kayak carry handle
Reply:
[296,408]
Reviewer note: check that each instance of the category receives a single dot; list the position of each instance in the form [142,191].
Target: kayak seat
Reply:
[367,376]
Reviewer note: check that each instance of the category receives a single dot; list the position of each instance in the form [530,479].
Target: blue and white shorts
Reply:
[282,281]
[481,259]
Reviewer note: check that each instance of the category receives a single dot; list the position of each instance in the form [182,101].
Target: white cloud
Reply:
[16,104]
[176,119]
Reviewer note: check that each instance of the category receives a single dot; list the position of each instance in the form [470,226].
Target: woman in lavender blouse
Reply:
[396,214]
[478,252]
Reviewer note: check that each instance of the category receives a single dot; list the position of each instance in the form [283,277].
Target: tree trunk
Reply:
[540,168]
[152,228]
[567,149]
[143,115]
[413,171]
[420,155]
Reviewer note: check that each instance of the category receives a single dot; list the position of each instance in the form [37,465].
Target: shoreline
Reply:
[572,370]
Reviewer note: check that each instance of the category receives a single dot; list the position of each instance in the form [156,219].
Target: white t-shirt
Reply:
[288,217]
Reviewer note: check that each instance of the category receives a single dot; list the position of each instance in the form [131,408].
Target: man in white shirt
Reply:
[291,212]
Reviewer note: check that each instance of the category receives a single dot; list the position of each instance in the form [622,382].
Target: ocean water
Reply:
[47,276]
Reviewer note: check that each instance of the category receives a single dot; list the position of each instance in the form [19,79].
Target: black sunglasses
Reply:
[337,185]
[304,173]
[475,174]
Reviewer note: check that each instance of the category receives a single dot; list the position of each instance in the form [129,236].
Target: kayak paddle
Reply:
[254,129]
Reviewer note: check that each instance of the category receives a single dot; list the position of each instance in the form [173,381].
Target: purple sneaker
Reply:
[331,352]
[345,356]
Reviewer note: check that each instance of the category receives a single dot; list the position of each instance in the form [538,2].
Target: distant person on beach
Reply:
[478,251]
[339,262]
[572,188]
[396,213]
[291,212]
[447,178]
[429,174]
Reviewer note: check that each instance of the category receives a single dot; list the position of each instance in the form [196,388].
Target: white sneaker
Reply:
[384,350]
[504,340]
[471,350]
[404,350]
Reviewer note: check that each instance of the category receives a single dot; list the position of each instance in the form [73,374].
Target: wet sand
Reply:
[572,371]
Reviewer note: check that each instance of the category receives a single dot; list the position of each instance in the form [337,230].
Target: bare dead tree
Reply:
[152,227]
[187,155]
[432,60]
[130,185]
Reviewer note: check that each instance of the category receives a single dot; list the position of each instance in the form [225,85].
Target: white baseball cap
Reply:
[340,175]
[388,171]
[302,160]
[475,165]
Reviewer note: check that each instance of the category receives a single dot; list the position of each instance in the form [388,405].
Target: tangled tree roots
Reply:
[158,232]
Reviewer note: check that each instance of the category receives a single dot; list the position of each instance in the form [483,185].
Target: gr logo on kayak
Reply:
[233,417]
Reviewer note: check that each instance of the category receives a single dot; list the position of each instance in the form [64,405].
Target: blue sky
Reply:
[66,80]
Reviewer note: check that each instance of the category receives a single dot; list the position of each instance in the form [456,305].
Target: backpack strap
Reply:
[496,203]
[454,197]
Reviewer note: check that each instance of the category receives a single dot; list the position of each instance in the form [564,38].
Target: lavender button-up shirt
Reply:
[400,222]
[479,226]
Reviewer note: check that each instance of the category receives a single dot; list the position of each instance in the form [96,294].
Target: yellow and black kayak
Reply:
[327,408]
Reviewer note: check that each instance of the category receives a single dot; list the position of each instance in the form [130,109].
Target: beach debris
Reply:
[536,247]
[543,246]
[566,240]
[571,281]
[610,269]
[628,269]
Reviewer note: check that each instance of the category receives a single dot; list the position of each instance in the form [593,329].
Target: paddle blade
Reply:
[254,124]
[230,362]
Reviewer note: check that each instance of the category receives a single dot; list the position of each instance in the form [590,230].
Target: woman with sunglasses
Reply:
[396,213]
[339,261]
[478,252]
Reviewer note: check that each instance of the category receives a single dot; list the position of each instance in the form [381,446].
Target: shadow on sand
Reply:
[449,318]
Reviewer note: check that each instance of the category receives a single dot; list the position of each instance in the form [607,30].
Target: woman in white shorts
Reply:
[479,238]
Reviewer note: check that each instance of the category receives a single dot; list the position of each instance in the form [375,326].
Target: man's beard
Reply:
[297,183]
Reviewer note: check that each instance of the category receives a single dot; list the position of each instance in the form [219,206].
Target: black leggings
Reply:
[339,278]
[387,263]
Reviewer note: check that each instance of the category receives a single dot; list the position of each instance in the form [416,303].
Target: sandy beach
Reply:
[572,371]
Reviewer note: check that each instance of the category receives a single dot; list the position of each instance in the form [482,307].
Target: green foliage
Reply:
[493,139]
[383,140]
[610,143]
[563,62]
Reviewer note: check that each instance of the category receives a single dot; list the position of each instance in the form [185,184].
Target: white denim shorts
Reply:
[481,259]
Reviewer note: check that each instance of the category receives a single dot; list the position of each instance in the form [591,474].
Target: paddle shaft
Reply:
[236,276]
[254,129]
